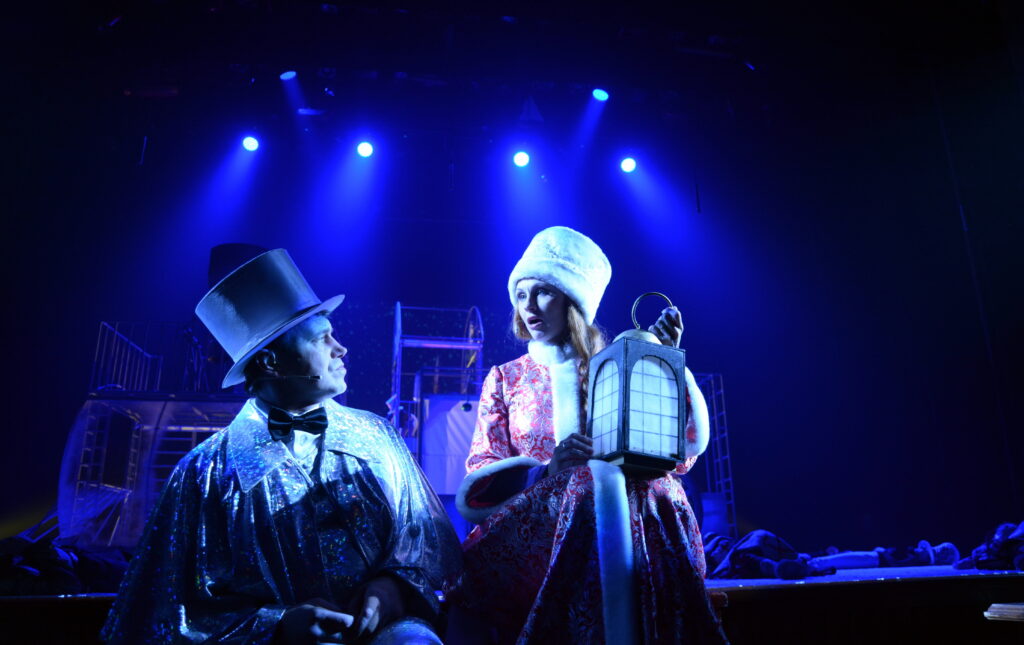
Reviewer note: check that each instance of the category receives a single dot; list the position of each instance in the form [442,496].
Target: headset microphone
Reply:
[287,377]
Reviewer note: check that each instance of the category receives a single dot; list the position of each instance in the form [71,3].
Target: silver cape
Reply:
[241,533]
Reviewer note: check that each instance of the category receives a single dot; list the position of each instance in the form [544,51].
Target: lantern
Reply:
[637,407]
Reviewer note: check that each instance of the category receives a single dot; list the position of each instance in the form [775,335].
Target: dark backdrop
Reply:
[832,197]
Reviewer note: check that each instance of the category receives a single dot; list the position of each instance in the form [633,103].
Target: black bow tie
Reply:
[281,424]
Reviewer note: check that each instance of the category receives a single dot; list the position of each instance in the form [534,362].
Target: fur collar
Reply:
[565,386]
[549,354]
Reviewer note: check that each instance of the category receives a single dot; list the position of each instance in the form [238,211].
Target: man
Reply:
[302,521]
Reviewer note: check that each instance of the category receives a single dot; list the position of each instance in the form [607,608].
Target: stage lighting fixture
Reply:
[600,94]
[250,143]
[365,149]
[289,75]
[628,164]
[521,159]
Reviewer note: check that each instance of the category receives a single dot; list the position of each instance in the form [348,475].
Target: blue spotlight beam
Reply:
[628,164]
[293,93]
[250,143]
[521,159]
[365,149]
[588,123]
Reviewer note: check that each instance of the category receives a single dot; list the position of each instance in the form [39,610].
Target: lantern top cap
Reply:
[638,334]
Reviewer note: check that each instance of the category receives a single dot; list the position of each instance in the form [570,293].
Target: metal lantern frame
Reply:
[627,352]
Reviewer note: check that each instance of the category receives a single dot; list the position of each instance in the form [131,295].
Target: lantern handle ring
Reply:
[649,293]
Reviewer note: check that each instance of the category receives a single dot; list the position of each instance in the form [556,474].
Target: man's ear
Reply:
[265,360]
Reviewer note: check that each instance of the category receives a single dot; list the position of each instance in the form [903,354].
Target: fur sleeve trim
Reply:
[565,400]
[614,551]
[699,421]
[478,515]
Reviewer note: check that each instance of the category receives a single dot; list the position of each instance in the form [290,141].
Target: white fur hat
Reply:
[568,260]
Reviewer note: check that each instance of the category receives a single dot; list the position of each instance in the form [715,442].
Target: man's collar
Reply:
[254,454]
[264,407]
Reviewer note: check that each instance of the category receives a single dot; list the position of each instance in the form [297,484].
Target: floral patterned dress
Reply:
[532,567]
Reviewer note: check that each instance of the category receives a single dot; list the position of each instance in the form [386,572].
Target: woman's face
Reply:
[542,308]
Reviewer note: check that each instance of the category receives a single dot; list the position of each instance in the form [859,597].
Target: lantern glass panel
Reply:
[606,408]
[653,408]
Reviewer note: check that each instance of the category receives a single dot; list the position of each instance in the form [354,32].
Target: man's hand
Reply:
[574,450]
[669,327]
[381,603]
[314,621]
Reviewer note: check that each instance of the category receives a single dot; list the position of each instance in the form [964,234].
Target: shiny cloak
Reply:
[241,532]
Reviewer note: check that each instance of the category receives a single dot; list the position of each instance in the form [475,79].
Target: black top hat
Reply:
[256,303]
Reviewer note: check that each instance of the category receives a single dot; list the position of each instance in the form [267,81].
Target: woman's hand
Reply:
[669,328]
[574,450]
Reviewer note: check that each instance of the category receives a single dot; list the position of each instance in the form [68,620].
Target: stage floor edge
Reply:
[906,605]
[861,576]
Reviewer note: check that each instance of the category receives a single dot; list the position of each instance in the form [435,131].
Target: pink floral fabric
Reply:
[515,402]
[531,569]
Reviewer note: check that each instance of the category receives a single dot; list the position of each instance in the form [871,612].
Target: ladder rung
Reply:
[441,343]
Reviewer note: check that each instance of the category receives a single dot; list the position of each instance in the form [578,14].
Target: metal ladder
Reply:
[443,331]
[718,461]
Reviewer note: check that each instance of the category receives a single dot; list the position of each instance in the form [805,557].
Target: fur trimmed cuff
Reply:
[614,551]
[698,423]
[471,486]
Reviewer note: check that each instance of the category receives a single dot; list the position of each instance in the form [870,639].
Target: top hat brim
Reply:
[236,374]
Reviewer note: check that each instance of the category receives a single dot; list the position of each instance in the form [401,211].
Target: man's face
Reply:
[314,352]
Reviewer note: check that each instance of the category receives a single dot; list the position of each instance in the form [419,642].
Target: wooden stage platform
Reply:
[933,605]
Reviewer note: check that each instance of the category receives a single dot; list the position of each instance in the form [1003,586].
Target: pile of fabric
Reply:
[42,568]
[763,554]
[1003,549]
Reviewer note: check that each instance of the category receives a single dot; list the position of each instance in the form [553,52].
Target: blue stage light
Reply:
[521,159]
[628,164]
[289,75]
[250,143]
[365,149]
[600,94]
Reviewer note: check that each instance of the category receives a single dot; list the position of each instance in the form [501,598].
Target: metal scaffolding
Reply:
[716,462]
[154,396]
[436,350]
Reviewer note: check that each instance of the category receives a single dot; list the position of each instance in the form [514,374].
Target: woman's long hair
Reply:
[586,339]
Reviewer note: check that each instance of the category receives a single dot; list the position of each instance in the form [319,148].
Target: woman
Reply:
[566,549]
